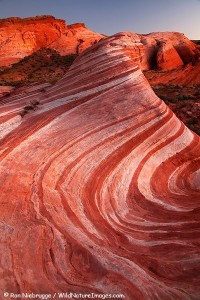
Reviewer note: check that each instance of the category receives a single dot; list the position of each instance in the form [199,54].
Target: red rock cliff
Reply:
[21,37]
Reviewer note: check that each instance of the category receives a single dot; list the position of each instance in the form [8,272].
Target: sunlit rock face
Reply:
[21,37]
[168,50]
[185,48]
[168,58]
[99,185]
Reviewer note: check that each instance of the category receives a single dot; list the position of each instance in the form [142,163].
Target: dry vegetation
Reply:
[184,101]
[45,65]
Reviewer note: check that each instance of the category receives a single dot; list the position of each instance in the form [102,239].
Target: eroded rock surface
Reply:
[5,90]
[21,37]
[167,51]
[187,75]
[168,58]
[186,49]
[99,185]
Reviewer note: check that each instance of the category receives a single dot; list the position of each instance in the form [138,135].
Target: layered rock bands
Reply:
[99,185]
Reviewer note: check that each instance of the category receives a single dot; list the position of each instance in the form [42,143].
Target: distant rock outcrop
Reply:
[167,57]
[21,37]
[163,50]
[169,50]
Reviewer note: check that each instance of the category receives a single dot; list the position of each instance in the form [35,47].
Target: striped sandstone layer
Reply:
[99,185]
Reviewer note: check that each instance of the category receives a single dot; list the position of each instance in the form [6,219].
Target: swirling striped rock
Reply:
[99,185]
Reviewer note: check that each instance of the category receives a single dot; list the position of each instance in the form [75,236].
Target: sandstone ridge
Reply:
[99,184]
[21,37]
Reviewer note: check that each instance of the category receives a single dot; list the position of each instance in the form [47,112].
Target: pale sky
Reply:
[112,16]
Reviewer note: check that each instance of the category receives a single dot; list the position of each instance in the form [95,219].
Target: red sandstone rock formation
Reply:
[164,50]
[187,75]
[185,48]
[99,185]
[173,52]
[167,57]
[21,37]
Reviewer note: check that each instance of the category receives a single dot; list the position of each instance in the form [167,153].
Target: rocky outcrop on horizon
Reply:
[167,57]
[185,48]
[99,184]
[21,37]
[169,50]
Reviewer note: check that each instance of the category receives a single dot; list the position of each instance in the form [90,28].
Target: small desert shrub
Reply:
[181,105]
[29,107]
[192,121]
[172,86]
[173,100]
[197,130]
[185,97]
[168,99]
[34,103]
[16,83]
[164,97]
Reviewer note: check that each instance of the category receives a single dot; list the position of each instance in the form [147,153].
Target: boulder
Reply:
[167,57]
